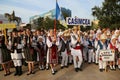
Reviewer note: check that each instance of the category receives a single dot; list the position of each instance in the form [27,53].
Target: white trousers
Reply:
[75,53]
[91,56]
[17,63]
[64,58]
[96,57]
[70,58]
[102,64]
[85,50]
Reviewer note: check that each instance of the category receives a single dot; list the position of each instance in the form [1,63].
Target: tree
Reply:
[109,14]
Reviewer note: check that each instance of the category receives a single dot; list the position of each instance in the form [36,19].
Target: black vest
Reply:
[64,46]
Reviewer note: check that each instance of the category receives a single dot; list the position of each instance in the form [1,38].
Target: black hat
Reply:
[15,30]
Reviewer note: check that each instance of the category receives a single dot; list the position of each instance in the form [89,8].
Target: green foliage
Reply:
[48,23]
[109,14]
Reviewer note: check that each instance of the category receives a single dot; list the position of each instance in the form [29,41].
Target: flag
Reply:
[59,16]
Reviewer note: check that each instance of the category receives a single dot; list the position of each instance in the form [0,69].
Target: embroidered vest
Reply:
[101,46]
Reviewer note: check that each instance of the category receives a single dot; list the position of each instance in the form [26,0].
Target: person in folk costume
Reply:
[70,58]
[91,54]
[40,46]
[59,35]
[113,46]
[97,39]
[52,56]
[29,52]
[34,44]
[85,48]
[118,55]
[64,49]
[4,55]
[16,52]
[76,50]
[23,36]
[102,46]
[44,37]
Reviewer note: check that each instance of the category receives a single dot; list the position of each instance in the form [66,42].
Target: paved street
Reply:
[90,72]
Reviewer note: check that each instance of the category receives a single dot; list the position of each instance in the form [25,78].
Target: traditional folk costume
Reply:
[91,54]
[40,51]
[52,56]
[16,54]
[76,51]
[85,48]
[101,46]
[5,57]
[28,49]
[70,58]
[30,53]
[4,53]
[64,49]
[118,55]
[113,46]
[97,39]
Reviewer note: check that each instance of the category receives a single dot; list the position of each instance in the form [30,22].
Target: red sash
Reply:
[78,47]
[112,47]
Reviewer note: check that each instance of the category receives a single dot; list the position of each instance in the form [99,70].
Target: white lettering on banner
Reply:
[107,55]
[77,21]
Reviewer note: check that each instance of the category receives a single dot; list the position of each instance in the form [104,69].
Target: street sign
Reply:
[78,21]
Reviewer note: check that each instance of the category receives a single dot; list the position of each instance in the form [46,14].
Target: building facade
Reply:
[3,19]
[50,14]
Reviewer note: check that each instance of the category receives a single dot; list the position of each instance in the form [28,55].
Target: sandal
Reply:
[28,73]
[5,74]
[32,72]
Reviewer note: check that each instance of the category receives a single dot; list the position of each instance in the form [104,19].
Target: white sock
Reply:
[113,67]
[42,67]
[52,70]
[119,66]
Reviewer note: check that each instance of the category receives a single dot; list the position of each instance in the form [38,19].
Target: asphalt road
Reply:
[90,72]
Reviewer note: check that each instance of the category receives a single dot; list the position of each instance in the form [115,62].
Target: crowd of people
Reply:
[48,49]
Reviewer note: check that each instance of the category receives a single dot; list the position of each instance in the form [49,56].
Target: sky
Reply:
[27,8]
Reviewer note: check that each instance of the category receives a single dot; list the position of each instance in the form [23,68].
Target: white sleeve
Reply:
[108,46]
[81,39]
[96,44]
[73,41]
[98,48]
[58,42]
[49,44]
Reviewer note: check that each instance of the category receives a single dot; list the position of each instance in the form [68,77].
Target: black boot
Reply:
[16,69]
[19,70]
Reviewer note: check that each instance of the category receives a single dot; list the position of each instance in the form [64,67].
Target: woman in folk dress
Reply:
[4,55]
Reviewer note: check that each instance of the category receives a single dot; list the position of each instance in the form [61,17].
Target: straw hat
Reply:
[65,35]
[74,28]
[90,35]
[103,36]
[85,34]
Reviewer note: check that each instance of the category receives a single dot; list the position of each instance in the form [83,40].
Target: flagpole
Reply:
[55,25]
